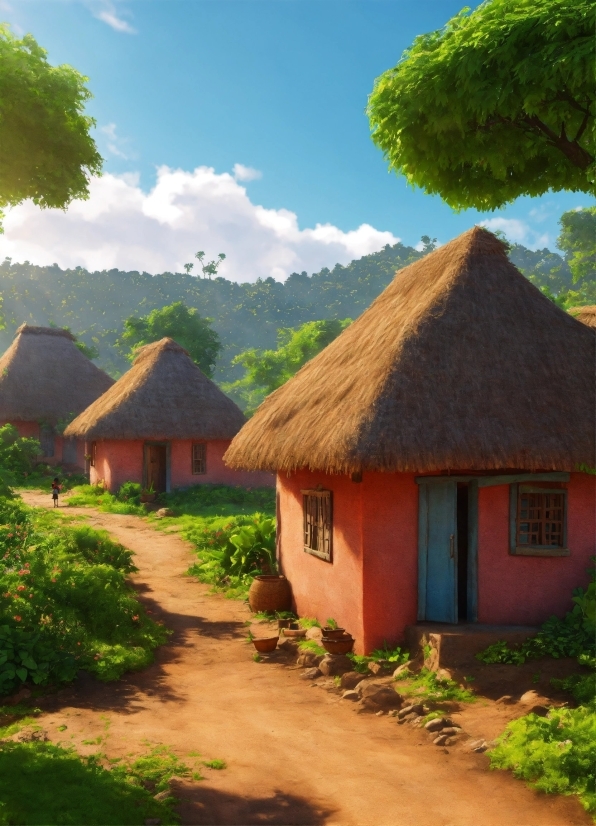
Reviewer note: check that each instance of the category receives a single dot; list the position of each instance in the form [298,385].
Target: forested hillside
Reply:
[94,305]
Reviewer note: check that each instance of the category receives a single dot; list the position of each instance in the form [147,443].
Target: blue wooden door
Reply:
[437,552]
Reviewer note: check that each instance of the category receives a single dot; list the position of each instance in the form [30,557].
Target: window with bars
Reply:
[540,523]
[93,454]
[199,458]
[318,523]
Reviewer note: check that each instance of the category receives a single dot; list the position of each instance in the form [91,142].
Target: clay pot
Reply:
[284,623]
[148,497]
[333,633]
[270,593]
[266,644]
[339,645]
[294,632]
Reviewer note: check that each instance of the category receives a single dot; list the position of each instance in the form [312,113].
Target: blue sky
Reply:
[276,86]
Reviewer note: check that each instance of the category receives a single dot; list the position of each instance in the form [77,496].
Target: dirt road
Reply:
[295,754]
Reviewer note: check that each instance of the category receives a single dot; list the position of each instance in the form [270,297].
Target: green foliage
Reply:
[429,685]
[17,457]
[208,268]
[46,151]
[331,623]
[572,636]
[216,764]
[556,754]
[47,783]
[578,242]
[311,645]
[220,500]
[396,656]
[64,602]
[176,321]
[255,548]
[127,500]
[495,105]
[266,370]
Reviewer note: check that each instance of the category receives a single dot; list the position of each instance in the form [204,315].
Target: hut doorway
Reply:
[446,550]
[156,470]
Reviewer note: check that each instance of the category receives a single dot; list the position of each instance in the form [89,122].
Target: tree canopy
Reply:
[175,321]
[497,104]
[578,242]
[266,370]
[46,151]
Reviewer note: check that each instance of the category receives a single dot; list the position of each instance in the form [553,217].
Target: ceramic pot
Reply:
[339,645]
[270,593]
[148,497]
[265,645]
[294,632]
[333,633]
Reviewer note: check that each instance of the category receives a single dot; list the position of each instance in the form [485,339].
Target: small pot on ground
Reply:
[294,632]
[148,497]
[270,593]
[333,633]
[266,644]
[284,623]
[338,645]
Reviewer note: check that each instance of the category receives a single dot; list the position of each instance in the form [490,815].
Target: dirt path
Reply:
[295,754]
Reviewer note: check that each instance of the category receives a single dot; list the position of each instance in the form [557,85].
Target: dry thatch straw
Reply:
[461,363]
[45,378]
[587,315]
[163,396]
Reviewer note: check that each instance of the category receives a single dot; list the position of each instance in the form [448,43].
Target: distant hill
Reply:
[95,304]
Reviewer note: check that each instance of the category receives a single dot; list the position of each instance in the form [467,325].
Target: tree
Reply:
[179,322]
[266,370]
[46,151]
[497,104]
[208,268]
[578,242]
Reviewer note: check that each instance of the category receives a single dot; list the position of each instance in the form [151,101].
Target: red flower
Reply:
[18,619]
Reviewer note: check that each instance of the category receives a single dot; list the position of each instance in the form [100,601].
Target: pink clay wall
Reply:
[371,586]
[121,460]
[527,590]
[30,430]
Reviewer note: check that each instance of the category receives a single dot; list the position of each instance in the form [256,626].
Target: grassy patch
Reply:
[311,645]
[65,603]
[395,656]
[427,685]
[95,496]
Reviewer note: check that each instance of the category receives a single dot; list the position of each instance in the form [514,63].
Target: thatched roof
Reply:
[45,378]
[587,315]
[461,363]
[163,396]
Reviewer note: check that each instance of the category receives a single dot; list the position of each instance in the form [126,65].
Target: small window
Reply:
[46,440]
[93,454]
[540,527]
[199,458]
[318,523]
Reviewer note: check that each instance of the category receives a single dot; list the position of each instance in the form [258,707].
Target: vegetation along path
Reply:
[295,754]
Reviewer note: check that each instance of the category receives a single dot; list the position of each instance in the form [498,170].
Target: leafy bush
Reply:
[397,656]
[429,685]
[556,754]
[126,501]
[130,492]
[64,602]
[223,500]
[17,454]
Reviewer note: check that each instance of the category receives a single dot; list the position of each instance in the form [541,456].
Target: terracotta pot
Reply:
[294,632]
[333,633]
[270,593]
[148,497]
[284,623]
[341,645]
[265,645]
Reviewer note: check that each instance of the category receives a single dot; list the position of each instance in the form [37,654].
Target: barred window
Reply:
[318,523]
[541,521]
[199,458]
[93,454]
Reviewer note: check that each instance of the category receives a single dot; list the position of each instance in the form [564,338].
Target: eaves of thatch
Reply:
[587,315]
[163,396]
[461,363]
[45,378]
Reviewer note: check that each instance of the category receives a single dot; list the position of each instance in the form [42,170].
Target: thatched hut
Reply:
[587,315]
[430,459]
[164,424]
[45,380]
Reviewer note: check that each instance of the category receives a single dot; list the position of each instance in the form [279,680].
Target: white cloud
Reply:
[246,173]
[115,144]
[520,232]
[105,10]
[125,227]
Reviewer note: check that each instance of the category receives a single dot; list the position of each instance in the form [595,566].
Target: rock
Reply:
[379,668]
[477,746]
[314,633]
[450,731]
[506,700]
[289,646]
[392,713]
[32,736]
[350,679]
[415,722]
[417,709]
[441,740]
[310,674]
[164,512]
[350,695]
[435,725]
[308,659]
[334,665]
[401,670]
[160,796]
[532,698]
[444,674]
[380,713]
[377,696]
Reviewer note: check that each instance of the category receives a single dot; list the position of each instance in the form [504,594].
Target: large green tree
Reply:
[497,104]
[578,241]
[266,370]
[176,321]
[46,150]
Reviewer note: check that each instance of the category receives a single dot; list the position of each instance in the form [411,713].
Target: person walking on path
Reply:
[56,487]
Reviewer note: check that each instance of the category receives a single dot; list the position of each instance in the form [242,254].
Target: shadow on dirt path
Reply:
[296,754]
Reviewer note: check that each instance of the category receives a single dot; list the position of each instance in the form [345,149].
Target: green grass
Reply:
[41,476]
[395,656]
[427,685]
[46,783]
[94,496]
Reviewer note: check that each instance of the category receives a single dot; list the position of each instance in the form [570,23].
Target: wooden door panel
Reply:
[438,552]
